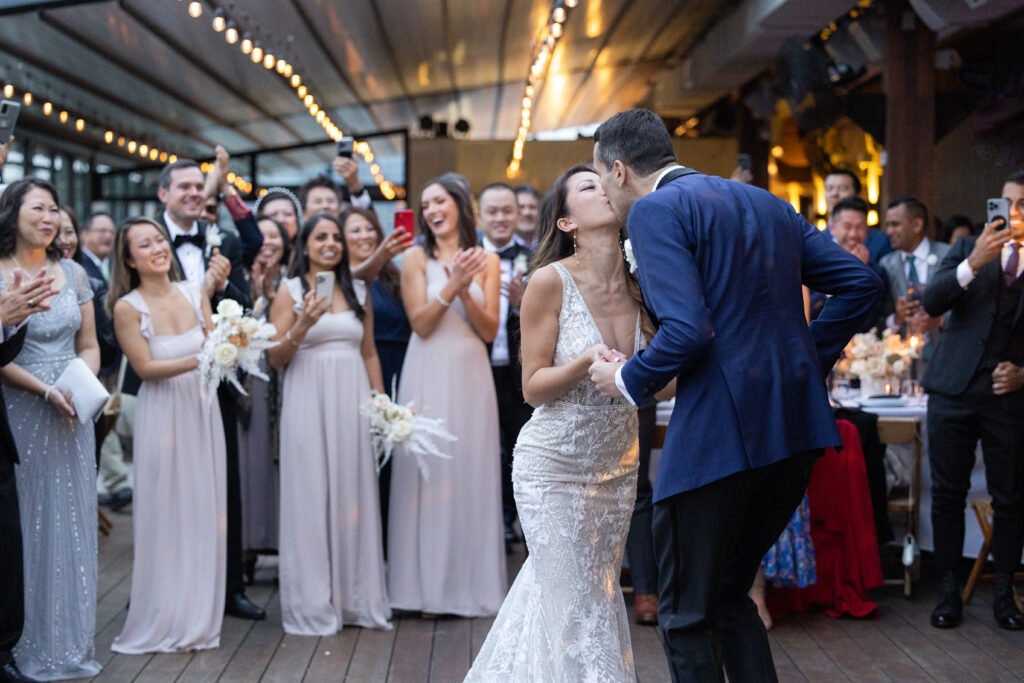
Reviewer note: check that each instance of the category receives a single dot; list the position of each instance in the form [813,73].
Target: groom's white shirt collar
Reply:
[663,174]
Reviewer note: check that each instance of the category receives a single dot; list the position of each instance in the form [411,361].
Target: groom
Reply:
[721,264]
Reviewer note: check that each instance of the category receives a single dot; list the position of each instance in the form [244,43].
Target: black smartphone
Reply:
[8,117]
[743,161]
[346,146]
[998,209]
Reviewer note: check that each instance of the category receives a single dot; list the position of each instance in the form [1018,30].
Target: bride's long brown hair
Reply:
[554,244]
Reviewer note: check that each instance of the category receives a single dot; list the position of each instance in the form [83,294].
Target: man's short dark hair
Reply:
[98,214]
[638,138]
[914,206]
[495,186]
[1017,178]
[850,204]
[166,171]
[849,174]
[319,181]
[527,188]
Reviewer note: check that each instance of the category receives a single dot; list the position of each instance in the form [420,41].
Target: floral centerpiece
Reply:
[392,424]
[237,342]
[874,359]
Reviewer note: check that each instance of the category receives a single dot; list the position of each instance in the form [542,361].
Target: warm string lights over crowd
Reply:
[541,60]
[260,55]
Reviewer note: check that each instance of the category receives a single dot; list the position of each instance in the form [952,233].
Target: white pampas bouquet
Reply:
[236,342]
[392,424]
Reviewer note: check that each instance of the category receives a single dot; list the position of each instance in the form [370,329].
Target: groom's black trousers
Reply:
[710,542]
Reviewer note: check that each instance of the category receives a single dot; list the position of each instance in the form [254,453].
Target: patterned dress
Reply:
[564,619]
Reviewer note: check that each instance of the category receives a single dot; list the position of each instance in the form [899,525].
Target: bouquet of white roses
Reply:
[236,342]
[392,424]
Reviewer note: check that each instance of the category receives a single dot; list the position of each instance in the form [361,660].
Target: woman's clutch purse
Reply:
[87,393]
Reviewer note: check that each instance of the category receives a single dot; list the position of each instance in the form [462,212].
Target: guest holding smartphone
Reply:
[446,552]
[180,508]
[331,552]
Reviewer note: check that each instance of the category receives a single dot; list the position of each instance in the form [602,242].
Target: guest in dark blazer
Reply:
[975,383]
[197,247]
[499,218]
[16,304]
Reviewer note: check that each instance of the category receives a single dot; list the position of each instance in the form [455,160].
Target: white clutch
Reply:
[87,393]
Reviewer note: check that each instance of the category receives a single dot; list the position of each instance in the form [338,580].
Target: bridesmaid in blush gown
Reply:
[331,551]
[446,550]
[180,508]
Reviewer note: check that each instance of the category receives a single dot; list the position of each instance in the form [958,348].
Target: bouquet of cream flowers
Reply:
[392,424]
[869,357]
[236,342]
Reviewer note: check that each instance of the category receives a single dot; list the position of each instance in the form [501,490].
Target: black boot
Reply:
[1003,605]
[950,608]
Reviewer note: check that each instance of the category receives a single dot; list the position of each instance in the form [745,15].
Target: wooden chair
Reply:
[906,431]
[983,511]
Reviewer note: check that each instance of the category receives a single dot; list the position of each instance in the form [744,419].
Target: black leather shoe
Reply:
[950,608]
[237,605]
[9,672]
[1004,608]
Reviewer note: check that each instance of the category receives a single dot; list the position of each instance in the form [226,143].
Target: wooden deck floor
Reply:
[898,646]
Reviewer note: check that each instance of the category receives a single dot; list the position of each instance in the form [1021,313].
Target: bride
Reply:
[575,464]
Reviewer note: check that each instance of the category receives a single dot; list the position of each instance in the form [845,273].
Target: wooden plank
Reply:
[814,663]
[449,657]
[478,634]
[208,665]
[785,668]
[254,653]
[165,667]
[410,662]
[846,653]
[123,668]
[372,656]
[331,657]
[887,655]
[291,659]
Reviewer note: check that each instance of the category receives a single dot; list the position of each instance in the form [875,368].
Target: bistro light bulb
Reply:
[320,116]
[296,81]
[120,141]
[219,23]
[558,15]
[47,108]
[195,9]
[246,44]
[143,150]
[27,99]
[570,3]
[301,92]
[308,100]
[79,125]
[231,35]
[163,157]
[153,154]
[108,137]
[131,146]
[257,54]
[8,91]
[63,117]
[556,30]
[171,159]
[281,64]
[269,61]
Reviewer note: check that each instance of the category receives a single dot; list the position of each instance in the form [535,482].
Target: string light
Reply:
[8,91]
[231,34]
[219,23]
[131,146]
[63,117]
[47,108]
[27,99]
[269,61]
[108,137]
[246,44]
[257,54]
[195,9]
[143,150]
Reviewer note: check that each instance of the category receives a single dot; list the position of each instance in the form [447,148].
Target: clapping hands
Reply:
[466,265]
[25,296]
[217,271]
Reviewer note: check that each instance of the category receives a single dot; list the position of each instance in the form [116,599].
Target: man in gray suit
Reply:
[910,267]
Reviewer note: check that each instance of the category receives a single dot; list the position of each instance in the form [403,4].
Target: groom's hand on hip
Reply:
[602,374]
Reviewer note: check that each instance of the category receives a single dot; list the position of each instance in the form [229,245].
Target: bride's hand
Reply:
[595,354]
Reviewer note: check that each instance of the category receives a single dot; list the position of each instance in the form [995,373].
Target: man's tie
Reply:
[105,269]
[195,239]
[912,277]
[1010,271]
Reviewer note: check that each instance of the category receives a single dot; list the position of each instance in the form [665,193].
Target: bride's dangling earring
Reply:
[574,252]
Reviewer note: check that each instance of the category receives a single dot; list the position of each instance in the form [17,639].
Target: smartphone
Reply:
[8,117]
[404,221]
[325,286]
[743,161]
[999,209]
[346,146]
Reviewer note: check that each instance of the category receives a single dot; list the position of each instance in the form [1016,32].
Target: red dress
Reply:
[843,530]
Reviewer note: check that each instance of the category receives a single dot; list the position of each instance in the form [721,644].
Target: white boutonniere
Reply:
[932,259]
[214,238]
[627,250]
[520,264]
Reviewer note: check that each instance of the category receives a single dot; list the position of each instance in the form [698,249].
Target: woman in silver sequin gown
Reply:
[57,475]
[575,463]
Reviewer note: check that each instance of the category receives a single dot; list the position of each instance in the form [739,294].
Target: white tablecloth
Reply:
[972,535]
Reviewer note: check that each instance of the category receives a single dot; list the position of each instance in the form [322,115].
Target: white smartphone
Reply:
[325,286]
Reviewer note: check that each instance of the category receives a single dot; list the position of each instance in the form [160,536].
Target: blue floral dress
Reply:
[790,562]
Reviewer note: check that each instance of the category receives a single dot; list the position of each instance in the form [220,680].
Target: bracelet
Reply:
[288,336]
[46,395]
[440,299]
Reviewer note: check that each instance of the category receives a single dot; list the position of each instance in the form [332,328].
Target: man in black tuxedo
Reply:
[16,304]
[181,190]
[499,217]
[975,382]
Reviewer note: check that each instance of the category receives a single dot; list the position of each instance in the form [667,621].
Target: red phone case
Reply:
[404,220]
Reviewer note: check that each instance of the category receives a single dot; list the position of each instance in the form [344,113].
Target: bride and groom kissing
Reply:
[721,324]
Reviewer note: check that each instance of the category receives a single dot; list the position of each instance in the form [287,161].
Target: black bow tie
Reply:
[509,253]
[195,238]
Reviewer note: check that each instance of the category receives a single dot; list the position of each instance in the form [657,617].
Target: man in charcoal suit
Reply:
[16,304]
[975,385]
[499,217]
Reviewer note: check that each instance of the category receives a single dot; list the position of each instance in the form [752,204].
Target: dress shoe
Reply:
[949,610]
[120,499]
[9,672]
[1004,607]
[237,605]
[646,605]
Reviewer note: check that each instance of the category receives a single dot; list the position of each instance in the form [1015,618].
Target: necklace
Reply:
[24,269]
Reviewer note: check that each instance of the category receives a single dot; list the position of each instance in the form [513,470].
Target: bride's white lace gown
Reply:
[574,474]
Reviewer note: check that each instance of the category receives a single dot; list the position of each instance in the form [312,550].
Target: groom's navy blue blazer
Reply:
[720,265]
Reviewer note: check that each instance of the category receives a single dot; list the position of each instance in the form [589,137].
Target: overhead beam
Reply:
[14,7]
[446,29]
[392,59]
